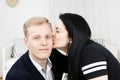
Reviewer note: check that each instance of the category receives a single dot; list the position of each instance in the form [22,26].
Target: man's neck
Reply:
[41,62]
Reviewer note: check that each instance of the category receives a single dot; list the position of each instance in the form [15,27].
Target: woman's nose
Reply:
[53,35]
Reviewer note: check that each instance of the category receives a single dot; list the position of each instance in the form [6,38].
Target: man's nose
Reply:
[44,42]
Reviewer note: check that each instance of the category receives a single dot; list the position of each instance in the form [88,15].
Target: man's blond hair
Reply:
[34,21]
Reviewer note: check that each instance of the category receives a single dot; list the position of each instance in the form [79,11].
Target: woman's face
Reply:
[61,38]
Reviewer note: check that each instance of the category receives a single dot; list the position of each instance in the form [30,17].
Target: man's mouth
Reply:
[44,49]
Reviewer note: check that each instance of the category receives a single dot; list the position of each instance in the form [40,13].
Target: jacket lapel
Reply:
[35,74]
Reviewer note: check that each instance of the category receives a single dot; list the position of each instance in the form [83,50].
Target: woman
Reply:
[87,60]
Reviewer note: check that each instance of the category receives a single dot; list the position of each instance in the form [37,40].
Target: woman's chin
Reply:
[54,45]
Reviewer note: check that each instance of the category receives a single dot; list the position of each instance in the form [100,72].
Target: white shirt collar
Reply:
[39,67]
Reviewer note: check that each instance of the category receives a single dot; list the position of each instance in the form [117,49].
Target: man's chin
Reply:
[44,58]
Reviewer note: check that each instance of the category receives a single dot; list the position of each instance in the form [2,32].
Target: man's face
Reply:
[39,41]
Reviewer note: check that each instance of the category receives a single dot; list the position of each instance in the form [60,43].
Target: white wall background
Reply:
[12,19]
[114,20]
[103,16]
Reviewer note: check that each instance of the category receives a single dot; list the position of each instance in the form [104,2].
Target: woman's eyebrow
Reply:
[57,28]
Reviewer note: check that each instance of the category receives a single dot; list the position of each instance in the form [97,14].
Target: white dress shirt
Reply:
[47,74]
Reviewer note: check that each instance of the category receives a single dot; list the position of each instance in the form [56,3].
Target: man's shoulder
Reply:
[56,54]
[18,69]
[58,58]
[18,66]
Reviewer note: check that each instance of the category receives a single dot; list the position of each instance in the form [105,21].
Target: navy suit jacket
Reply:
[24,69]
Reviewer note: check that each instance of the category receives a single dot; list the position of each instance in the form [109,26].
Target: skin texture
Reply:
[39,42]
[105,77]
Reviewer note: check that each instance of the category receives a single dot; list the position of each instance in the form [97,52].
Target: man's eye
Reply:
[48,37]
[37,38]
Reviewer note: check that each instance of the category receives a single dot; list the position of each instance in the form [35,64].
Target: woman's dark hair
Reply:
[80,33]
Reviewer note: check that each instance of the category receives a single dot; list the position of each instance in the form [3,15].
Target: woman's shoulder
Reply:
[92,45]
[95,49]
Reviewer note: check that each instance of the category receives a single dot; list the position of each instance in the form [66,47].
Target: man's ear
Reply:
[26,41]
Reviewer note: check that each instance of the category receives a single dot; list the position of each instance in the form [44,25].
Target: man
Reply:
[35,63]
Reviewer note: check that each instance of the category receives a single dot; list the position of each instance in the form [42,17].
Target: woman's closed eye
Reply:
[57,31]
